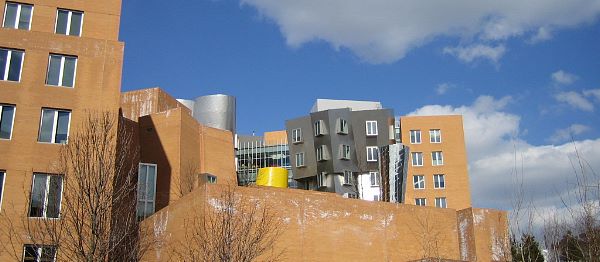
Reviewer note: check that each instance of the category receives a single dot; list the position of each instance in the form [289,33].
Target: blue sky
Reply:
[538,63]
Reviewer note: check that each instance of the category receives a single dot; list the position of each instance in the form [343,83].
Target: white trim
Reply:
[418,182]
[145,200]
[18,15]
[412,159]
[69,21]
[2,187]
[430,136]
[367,127]
[12,124]
[376,149]
[420,140]
[7,68]
[440,158]
[443,176]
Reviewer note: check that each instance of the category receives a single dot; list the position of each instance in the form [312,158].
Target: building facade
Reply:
[437,172]
[337,150]
[58,61]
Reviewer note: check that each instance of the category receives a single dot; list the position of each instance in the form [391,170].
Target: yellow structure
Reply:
[272,177]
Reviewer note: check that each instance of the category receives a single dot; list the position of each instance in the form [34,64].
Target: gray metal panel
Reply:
[307,146]
[188,103]
[361,139]
[218,111]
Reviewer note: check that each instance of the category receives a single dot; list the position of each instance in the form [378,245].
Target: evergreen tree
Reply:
[526,250]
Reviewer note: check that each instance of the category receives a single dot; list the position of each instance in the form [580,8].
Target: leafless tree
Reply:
[189,178]
[98,176]
[231,228]
[429,235]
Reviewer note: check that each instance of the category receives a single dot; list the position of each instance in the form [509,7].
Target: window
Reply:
[2,178]
[375,197]
[46,196]
[435,136]
[348,179]
[322,154]
[146,190]
[342,126]
[437,158]
[17,16]
[439,181]
[296,135]
[351,195]
[36,253]
[440,202]
[7,117]
[374,178]
[345,152]
[371,128]
[11,63]
[372,154]
[300,160]
[211,179]
[419,181]
[417,158]
[415,136]
[420,201]
[61,70]
[69,22]
[321,180]
[54,126]
[320,128]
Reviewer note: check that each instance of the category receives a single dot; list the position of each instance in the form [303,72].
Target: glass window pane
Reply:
[54,197]
[69,71]
[149,209]
[14,72]
[47,126]
[62,130]
[10,15]
[6,121]
[76,18]
[30,254]
[1,185]
[142,182]
[151,183]
[25,18]
[53,70]
[48,254]
[3,58]
[38,195]
[61,22]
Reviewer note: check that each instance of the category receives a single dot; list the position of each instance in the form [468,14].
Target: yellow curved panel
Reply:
[273,177]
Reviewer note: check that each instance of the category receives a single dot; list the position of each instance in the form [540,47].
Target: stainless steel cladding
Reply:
[216,111]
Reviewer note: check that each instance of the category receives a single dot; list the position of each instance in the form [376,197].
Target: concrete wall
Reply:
[326,227]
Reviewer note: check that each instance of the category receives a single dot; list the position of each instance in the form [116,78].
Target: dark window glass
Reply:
[54,197]
[69,71]
[11,15]
[62,21]
[76,18]
[38,195]
[62,130]
[14,71]
[53,70]
[25,17]
[6,121]
[3,59]
[47,126]
[30,253]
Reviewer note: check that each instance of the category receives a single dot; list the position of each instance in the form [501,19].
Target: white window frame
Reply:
[320,128]
[55,125]
[322,154]
[350,195]
[211,179]
[417,137]
[300,159]
[371,128]
[146,200]
[416,158]
[441,202]
[2,183]
[437,182]
[437,158]
[40,251]
[297,135]
[342,126]
[18,16]
[375,154]
[321,180]
[68,29]
[374,177]
[376,197]
[46,191]
[7,65]
[419,182]
[421,199]
[345,152]
[12,125]
[348,178]
[62,69]
[435,133]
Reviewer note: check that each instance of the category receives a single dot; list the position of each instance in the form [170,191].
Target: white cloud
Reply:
[567,134]
[563,78]
[443,88]
[499,160]
[543,34]
[471,53]
[384,31]
[595,93]
[575,100]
